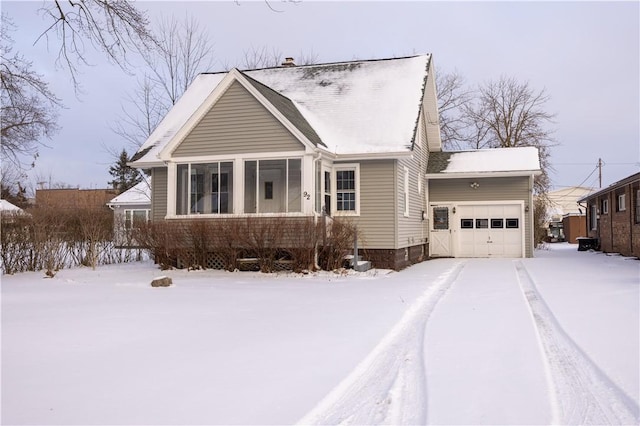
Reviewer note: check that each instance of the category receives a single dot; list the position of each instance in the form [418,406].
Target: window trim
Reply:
[127,224]
[334,189]
[622,202]
[605,206]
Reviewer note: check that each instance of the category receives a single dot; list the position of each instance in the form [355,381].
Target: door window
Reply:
[440,218]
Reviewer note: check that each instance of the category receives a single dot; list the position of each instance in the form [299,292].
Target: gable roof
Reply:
[288,109]
[517,160]
[358,107]
[138,194]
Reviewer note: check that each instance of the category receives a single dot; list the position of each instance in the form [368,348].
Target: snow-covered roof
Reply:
[6,206]
[494,160]
[353,107]
[138,194]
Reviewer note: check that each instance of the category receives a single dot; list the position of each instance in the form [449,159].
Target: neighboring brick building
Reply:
[73,198]
[613,216]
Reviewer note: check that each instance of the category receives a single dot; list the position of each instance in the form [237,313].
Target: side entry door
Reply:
[440,232]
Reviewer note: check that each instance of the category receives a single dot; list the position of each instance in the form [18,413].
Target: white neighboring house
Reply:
[8,208]
[129,208]
[562,204]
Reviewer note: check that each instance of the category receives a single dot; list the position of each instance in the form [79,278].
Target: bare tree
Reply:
[261,57]
[29,107]
[452,96]
[141,113]
[267,57]
[184,50]
[507,113]
[114,27]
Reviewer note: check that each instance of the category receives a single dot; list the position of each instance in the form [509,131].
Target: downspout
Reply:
[532,243]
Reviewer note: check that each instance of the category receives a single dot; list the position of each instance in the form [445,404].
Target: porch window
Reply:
[273,186]
[204,188]
[327,193]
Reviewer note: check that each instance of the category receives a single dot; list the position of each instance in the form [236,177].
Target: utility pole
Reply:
[600,172]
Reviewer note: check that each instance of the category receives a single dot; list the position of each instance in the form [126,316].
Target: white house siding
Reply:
[514,188]
[237,124]
[159,193]
[376,222]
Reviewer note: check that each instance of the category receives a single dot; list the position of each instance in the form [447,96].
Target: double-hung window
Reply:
[622,202]
[204,188]
[347,187]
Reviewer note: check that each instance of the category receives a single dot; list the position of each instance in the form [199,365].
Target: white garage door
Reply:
[490,230]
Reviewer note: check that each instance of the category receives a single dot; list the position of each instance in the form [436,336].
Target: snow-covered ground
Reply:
[553,339]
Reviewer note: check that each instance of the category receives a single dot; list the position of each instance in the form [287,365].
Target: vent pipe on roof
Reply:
[288,62]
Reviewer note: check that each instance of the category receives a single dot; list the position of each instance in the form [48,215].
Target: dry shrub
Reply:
[161,239]
[55,238]
[302,238]
[14,241]
[271,241]
[337,243]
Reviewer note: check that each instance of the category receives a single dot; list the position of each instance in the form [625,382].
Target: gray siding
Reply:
[490,189]
[237,124]
[376,223]
[159,193]
[412,230]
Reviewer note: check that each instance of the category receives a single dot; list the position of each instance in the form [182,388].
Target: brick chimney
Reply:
[288,62]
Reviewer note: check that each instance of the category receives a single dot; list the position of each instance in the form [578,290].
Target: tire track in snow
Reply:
[389,385]
[580,392]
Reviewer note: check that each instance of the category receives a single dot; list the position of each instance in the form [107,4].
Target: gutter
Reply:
[478,175]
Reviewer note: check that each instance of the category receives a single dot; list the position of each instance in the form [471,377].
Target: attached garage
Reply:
[474,212]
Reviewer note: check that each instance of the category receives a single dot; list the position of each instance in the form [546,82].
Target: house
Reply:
[613,216]
[566,217]
[348,141]
[6,208]
[130,207]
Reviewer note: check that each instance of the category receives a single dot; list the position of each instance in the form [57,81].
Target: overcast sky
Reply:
[584,54]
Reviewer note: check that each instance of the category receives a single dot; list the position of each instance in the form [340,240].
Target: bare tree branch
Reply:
[114,27]
[29,108]
[183,51]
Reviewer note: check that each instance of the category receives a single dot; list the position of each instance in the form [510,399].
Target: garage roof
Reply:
[484,161]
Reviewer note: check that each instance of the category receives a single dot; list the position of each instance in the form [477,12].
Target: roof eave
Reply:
[466,175]
[362,156]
